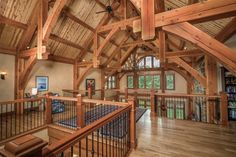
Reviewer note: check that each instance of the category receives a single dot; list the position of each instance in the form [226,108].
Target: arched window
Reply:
[149,62]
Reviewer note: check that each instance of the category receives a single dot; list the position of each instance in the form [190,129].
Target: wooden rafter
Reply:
[7,50]
[199,12]
[126,55]
[13,23]
[89,40]
[52,18]
[228,31]
[115,52]
[219,51]
[29,32]
[109,36]
[66,42]
[201,79]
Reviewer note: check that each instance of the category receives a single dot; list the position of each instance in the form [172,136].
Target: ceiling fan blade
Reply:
[98,12]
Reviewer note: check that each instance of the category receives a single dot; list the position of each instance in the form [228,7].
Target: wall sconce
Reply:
[3,74]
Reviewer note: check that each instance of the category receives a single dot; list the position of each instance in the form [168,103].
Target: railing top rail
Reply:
[105,102]
[62,98]
[21,100]
[72,139]
[186,95]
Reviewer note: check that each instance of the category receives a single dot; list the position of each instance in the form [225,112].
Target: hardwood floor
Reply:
[178,138]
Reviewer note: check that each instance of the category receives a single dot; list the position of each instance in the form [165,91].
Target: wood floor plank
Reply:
[160,137]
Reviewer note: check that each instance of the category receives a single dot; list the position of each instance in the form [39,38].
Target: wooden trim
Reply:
[13,23]
[7,50]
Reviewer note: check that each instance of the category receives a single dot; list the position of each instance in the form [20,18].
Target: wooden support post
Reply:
[48,110]
[152,98]
[126,93]
[102,84]
[224,108]
[90,92]
[80,112]
[211,88]
[133,140]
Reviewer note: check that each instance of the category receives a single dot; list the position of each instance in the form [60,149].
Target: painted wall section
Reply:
[7,64]
[60,76]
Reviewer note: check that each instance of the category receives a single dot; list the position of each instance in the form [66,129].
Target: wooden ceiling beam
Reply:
[199,12]
[27,36]
[81,76]
[60,59]
[67,12]
[126,55]
[66,42]
[227,32]
[109,36]
[115,52]
[201,79]
[7,50]
[13,23]
[52,19]
[211,46]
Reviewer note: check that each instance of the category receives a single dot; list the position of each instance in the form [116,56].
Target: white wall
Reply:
[60,76]
[7,64]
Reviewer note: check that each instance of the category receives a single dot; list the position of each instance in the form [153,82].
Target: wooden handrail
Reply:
[21,100]
[105,102]
[72,139]
[63,98]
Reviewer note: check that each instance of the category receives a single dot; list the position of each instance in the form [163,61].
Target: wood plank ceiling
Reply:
[69,37]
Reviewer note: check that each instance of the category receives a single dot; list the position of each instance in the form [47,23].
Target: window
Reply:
[157,81]
[111,82]
[130,81]
[170,81]
[149,62]
[141,82]
[149,81]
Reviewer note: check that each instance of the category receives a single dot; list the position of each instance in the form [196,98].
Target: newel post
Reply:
[133,140]
[80,112]
[48,109]
[152,98]
[224,108]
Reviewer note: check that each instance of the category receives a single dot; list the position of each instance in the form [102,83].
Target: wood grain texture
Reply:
[176,138]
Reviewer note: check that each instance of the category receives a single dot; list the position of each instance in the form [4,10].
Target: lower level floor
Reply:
[181,138]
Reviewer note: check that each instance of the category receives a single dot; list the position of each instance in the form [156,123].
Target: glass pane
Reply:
[141,82]
[148,62]
[170,81]
[141,64]
[141,103]
[130,82]
[148,81]
[157,81]
[113,78]
[113,84]
[156,62]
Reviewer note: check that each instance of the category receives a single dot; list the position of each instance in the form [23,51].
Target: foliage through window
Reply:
[130,81]
[170,81]
[149,81]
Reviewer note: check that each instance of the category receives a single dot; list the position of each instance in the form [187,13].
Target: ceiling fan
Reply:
[109,8]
